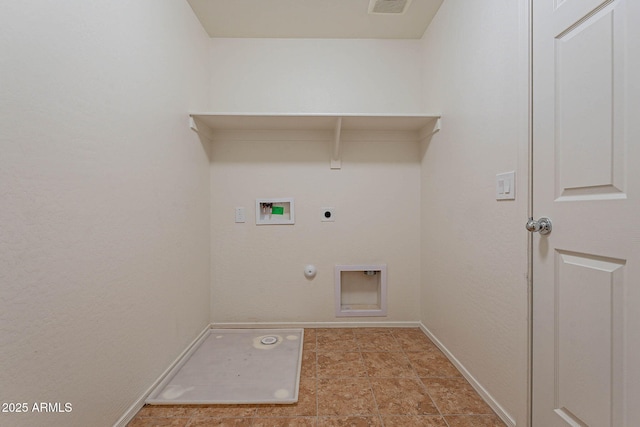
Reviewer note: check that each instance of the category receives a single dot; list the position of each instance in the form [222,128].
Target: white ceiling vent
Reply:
[397,7]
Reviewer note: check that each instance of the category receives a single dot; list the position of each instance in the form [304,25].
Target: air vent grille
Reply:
[388,6]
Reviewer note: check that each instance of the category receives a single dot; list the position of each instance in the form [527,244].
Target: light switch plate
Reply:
[506,186]
[241,215]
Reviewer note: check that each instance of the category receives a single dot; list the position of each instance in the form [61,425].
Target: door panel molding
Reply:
[590,108]
[589,313]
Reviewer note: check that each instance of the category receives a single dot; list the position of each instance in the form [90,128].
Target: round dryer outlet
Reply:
[328,215]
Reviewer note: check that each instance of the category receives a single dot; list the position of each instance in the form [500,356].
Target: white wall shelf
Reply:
[208,125]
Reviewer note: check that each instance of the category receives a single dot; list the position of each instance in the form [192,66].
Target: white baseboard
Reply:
[276,325]
[497,408]
[133,409]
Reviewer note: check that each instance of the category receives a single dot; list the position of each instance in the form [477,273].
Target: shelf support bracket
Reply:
[200,128]
[430,129]
[336,161]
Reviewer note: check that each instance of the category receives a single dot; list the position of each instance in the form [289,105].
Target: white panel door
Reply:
[586,179]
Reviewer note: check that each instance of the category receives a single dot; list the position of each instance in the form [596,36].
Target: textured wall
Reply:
[474,290]
[105,244]
[257,271]
[316,75]
[104,213]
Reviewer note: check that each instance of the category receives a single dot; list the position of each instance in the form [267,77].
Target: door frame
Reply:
[530,59]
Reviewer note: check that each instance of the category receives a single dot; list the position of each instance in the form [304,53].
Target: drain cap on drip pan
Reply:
[269,340]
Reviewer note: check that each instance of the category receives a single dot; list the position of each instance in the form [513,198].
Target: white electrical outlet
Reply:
[241,215]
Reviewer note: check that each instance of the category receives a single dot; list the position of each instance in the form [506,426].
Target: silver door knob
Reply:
[542,226]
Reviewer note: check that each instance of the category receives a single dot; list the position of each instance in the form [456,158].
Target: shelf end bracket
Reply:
[431,129]
[200,128]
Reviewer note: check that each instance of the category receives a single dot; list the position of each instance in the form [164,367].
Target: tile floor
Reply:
[387,377]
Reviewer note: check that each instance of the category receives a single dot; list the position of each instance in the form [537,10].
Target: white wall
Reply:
[316,75]
[472,67]
[104,213]
[105,216]
[257,271]
[474,289]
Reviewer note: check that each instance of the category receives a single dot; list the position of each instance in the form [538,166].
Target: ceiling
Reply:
[311,19]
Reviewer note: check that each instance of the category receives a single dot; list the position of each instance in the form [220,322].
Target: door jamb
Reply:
[530,30]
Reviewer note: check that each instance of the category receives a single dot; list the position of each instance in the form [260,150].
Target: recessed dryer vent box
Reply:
[275,211]
[361,290]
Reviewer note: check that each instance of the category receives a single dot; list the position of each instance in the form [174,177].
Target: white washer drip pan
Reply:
[236,366]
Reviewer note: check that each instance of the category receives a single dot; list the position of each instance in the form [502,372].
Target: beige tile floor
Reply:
[387,377]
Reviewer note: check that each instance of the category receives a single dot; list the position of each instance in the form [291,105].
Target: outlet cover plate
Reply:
[328,215]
